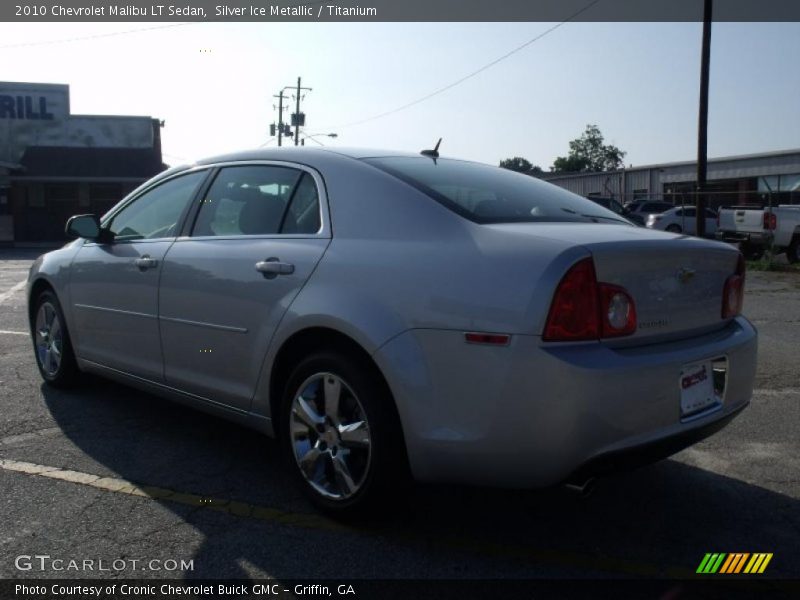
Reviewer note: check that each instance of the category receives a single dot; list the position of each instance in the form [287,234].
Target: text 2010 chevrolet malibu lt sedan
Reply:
[384,313]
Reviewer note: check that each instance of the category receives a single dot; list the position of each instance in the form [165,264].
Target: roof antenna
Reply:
[432,153]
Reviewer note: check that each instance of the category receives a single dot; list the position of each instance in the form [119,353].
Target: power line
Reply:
[92,37]
[473,74]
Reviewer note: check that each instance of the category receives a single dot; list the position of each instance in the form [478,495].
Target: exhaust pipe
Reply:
[581,487]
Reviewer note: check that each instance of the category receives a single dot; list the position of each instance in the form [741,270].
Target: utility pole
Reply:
[297,118]
[702,129]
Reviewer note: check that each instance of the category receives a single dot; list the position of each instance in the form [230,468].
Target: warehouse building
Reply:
[734,180]
[54,164]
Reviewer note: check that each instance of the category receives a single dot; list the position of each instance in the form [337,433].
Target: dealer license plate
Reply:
[697,388]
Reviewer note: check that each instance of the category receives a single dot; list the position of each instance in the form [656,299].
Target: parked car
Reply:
[639,210]
[682,219]
[385,313]
[754,229]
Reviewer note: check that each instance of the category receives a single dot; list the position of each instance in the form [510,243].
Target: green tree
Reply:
[521,165]
[589,154]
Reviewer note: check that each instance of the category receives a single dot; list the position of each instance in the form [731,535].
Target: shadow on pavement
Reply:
[658,521]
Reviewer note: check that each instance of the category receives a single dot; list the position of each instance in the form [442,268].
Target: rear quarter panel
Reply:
[400,261]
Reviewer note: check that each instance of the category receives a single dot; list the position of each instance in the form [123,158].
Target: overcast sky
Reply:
[213,84]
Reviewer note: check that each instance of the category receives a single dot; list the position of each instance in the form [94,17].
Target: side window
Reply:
[303,213]
[155,214]
[689,212]
[248,200]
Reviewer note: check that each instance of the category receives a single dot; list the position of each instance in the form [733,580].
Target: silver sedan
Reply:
[393,316]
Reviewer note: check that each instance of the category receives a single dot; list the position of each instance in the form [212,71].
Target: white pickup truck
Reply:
[754,229]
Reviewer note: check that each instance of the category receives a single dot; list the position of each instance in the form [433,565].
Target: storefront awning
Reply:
[90,163]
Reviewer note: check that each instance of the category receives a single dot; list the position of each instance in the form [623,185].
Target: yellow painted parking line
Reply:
[553,557]
[122,486]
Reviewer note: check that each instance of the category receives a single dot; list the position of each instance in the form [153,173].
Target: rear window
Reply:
[486,194]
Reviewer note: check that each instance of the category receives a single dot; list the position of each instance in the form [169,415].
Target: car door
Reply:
[259,232]
[688,221]
[114,285]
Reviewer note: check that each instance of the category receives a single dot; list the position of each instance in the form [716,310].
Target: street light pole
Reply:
[702,128]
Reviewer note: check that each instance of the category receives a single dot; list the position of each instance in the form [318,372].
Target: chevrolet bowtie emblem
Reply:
[685,274]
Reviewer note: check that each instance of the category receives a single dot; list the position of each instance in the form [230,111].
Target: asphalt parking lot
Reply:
[107,473]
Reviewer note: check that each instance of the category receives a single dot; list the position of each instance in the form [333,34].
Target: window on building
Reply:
[61,192]
[35,195]
[5,205]
[780,189]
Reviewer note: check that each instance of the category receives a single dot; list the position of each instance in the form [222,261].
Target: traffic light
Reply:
[287,130]
[272,130]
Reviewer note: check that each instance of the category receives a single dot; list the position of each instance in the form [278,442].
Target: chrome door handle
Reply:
[145,262]
[273,266]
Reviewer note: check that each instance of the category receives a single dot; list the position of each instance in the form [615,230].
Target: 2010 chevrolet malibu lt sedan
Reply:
[387,314]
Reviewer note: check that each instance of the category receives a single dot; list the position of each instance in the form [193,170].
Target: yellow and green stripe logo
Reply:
[734,563]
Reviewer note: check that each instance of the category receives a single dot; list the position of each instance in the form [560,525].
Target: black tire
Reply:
[66,373]
[793,251]
[381,473]
[674,228]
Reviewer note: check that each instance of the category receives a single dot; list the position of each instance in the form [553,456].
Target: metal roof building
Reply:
[744,179]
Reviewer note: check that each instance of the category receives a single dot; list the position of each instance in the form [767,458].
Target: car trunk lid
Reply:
[676,281]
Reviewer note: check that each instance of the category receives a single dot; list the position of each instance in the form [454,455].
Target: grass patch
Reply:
[767,264]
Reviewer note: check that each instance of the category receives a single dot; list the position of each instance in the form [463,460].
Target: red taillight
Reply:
[770,220]
[733,292]
[584,309]
[574,313]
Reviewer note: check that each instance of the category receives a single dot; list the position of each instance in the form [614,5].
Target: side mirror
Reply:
[84,226]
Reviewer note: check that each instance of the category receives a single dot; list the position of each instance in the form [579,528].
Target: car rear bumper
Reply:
[531,414]
[650,452]
[751,238]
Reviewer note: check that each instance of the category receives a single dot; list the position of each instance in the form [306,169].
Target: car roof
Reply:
[297,152]
[300,154]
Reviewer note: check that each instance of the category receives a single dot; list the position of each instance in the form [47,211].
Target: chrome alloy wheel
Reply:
[49,338]
[330,436]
